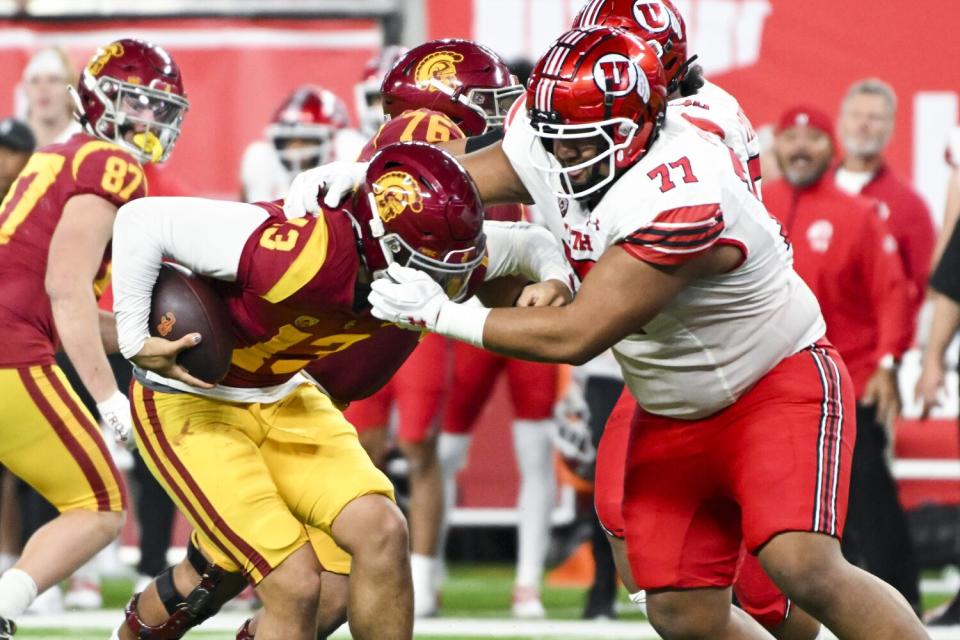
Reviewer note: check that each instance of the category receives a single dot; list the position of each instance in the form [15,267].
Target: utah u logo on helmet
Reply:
[438,67]
[618,75]
[395,192]
[656,17]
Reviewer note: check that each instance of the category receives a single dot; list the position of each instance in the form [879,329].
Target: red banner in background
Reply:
[236,72]
[773,54]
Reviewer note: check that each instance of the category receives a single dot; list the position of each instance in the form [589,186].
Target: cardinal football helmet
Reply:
[462,79]
[312,115]
[420,208]
[656,21]
[596,83]
[131,94]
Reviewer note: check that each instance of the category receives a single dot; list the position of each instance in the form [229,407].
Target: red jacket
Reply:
[910,224]
[843,251]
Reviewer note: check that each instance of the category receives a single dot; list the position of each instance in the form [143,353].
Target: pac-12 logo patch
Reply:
[395,192]
[617,74]
[440,66]
[655,17]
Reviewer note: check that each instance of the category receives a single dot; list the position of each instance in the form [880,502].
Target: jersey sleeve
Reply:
[676,235]
[104,169]
[421,125]
[300,259]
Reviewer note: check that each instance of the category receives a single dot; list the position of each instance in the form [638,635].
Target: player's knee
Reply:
[371,525]
[110,523]
[683,615]
[295,583]
[805,568]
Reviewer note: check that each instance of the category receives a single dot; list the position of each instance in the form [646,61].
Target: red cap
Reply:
[806,116]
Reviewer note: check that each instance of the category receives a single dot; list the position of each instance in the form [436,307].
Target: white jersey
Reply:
[713,109]
[264,178]
[721,334]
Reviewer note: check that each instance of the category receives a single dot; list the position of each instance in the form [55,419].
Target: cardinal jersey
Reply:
[293,308]
[28,217]
[689,194]
[420,125]
[713,109]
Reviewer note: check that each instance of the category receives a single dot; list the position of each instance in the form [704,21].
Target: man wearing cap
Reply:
[16,145]
[844,252]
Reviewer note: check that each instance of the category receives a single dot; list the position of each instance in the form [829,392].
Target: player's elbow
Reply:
[60,285]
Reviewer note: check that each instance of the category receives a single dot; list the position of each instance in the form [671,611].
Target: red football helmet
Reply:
[420,208]
[596,82]
[367,91]
[462,79]
[131,94]
[656,21]
[303,127]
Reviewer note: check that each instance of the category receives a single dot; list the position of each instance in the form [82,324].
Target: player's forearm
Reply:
[494,176]
[519,248]
[76,316]
[108,332]
[546,334]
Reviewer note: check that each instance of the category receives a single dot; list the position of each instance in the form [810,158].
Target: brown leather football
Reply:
[183,303]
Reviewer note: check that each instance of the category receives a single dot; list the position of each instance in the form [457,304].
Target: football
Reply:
[182,304]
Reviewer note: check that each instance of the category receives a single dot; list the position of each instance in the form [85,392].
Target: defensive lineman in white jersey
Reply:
[718,339]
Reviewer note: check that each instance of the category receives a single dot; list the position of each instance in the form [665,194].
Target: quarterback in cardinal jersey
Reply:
[306,344]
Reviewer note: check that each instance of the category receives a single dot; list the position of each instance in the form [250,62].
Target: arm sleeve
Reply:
[206,236]
[946,277]
[475,143]
[520,248]
[676,235]
[889,288]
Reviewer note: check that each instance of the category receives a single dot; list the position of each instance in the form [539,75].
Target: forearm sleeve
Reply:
[520,248]
[206,236]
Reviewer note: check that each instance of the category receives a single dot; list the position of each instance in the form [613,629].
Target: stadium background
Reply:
[240,58]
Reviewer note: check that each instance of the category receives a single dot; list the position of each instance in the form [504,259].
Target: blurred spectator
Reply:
[368,100]
[16,145]
[866,126]
[46,103]
[845,254]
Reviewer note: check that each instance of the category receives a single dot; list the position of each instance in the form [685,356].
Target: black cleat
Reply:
[7,629]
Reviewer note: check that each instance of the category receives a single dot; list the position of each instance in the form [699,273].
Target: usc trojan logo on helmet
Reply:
[104,55]
[616,74]
[655,17]
[440,66]
[395,192]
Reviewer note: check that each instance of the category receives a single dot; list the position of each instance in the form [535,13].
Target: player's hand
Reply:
[571,433]
[550,293]
[333,180]
[882,392]
[407,297]
[115,413]
[160,356]
[929,387]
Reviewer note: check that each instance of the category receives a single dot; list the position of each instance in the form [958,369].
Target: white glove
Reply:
[571,433]
[115,413]
[407,297]
[334,179]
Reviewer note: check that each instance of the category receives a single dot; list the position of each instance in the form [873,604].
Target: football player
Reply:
[310,127]
[710,108]
[296,292]
[440,92]
[56,223]
[741,433]
[366,94]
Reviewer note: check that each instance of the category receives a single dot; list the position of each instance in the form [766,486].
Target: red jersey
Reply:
[296,304]
[29,215]
[846,255]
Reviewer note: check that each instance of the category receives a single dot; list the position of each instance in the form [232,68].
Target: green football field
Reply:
[476,602]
